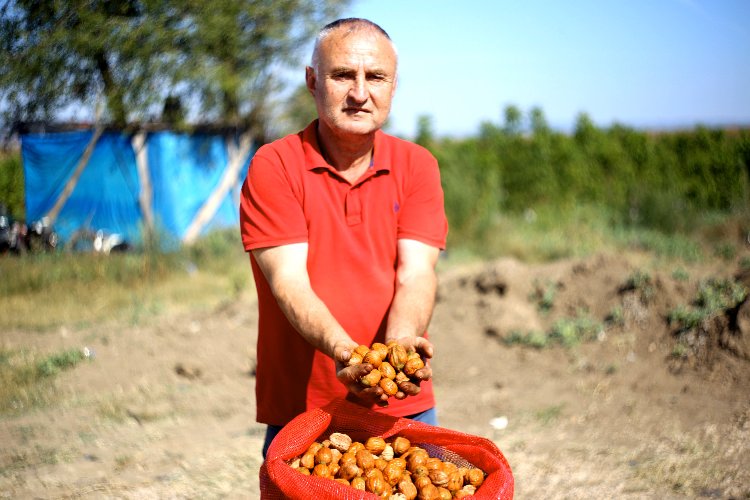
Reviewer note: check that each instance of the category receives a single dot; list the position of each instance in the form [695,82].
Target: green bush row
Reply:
[640,179]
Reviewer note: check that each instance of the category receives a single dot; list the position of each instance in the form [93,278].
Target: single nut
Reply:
[371,379]
[355,447]
[412,365]
[397,496]
[313,448]
[303,470]
[380,463]
[397,356]
[433,463]
[389,386]
[335,456]
[375,445]
[428,492]
[354,359]
[358,483]
[321,470]
[348,457]
[407,488]
[416,458]
[374,358]
[444,494]
[323,456]
[381,348]
[348,471]
[342,480]
[361,350]
[470,489]
[392,473]
[340,441]
[365,460]
[387,453]
[455,481]
[400,445]
[387,370]
[375,483]
[476,477]
[401,377]
[449,467]
[308,460]
[438,477]
[422,481]
[398,462]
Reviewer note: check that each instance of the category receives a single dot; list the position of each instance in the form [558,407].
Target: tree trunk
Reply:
[115,102]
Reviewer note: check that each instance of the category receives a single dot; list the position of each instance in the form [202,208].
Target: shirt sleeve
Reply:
[270,212]
[422,215]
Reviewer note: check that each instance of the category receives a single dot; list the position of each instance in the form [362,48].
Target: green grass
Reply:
[26,378]
[47,291]
[566,332]
[714,297]
[555,232]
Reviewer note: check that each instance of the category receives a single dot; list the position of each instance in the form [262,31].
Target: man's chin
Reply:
[357,127]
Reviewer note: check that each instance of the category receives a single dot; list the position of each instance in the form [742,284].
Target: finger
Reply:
[409,388]
[424,373]
[424,347]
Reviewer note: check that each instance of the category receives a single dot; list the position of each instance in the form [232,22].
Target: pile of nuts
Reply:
[392,364]
[393,469]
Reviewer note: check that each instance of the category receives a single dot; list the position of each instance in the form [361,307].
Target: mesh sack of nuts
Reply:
[279,480]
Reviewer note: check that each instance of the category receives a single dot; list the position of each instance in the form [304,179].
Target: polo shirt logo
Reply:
[396,207]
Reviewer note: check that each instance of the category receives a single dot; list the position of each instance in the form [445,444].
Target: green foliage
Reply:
[299,111]
[640,282]
[24,376]
[681,274]
[715,296]
[38,272]
[544,295]
[12,184]
[660,182]
[142,55]
[567,332]
[573,331]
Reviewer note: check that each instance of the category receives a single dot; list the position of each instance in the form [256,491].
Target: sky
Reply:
[641,63]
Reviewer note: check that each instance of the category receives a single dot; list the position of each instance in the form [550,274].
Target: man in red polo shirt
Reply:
[344,225]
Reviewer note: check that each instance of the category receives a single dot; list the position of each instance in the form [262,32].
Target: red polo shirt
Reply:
[291,195]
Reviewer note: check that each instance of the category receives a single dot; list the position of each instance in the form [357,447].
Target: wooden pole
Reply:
[71,184]
[209,208]
[145,196]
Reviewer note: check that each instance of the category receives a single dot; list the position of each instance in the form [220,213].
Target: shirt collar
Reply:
[314,158]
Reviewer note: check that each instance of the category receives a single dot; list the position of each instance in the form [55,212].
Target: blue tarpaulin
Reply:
[184,170]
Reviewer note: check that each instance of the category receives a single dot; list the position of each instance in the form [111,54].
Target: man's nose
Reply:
[358,90]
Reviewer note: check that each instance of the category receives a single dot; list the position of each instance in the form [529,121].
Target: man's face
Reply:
[355,82]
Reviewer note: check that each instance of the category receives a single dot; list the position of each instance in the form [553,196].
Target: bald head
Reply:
[344,28]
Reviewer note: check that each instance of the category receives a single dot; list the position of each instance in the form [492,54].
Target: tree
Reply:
[298,111]
[57,54]
[513,119]
[131,55]
[425,133]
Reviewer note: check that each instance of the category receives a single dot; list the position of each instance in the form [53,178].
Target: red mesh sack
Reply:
[279,481]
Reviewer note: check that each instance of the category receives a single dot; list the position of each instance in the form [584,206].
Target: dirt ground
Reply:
[165,409]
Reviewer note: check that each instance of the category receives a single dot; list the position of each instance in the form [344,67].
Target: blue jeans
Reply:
[428,417]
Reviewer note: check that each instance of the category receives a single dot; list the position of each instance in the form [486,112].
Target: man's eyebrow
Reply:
[342,70]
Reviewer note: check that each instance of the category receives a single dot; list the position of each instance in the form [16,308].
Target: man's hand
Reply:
[422,346]
[350,376]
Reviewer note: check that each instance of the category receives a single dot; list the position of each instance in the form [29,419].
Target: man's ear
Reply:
[310,79]
[395,85]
